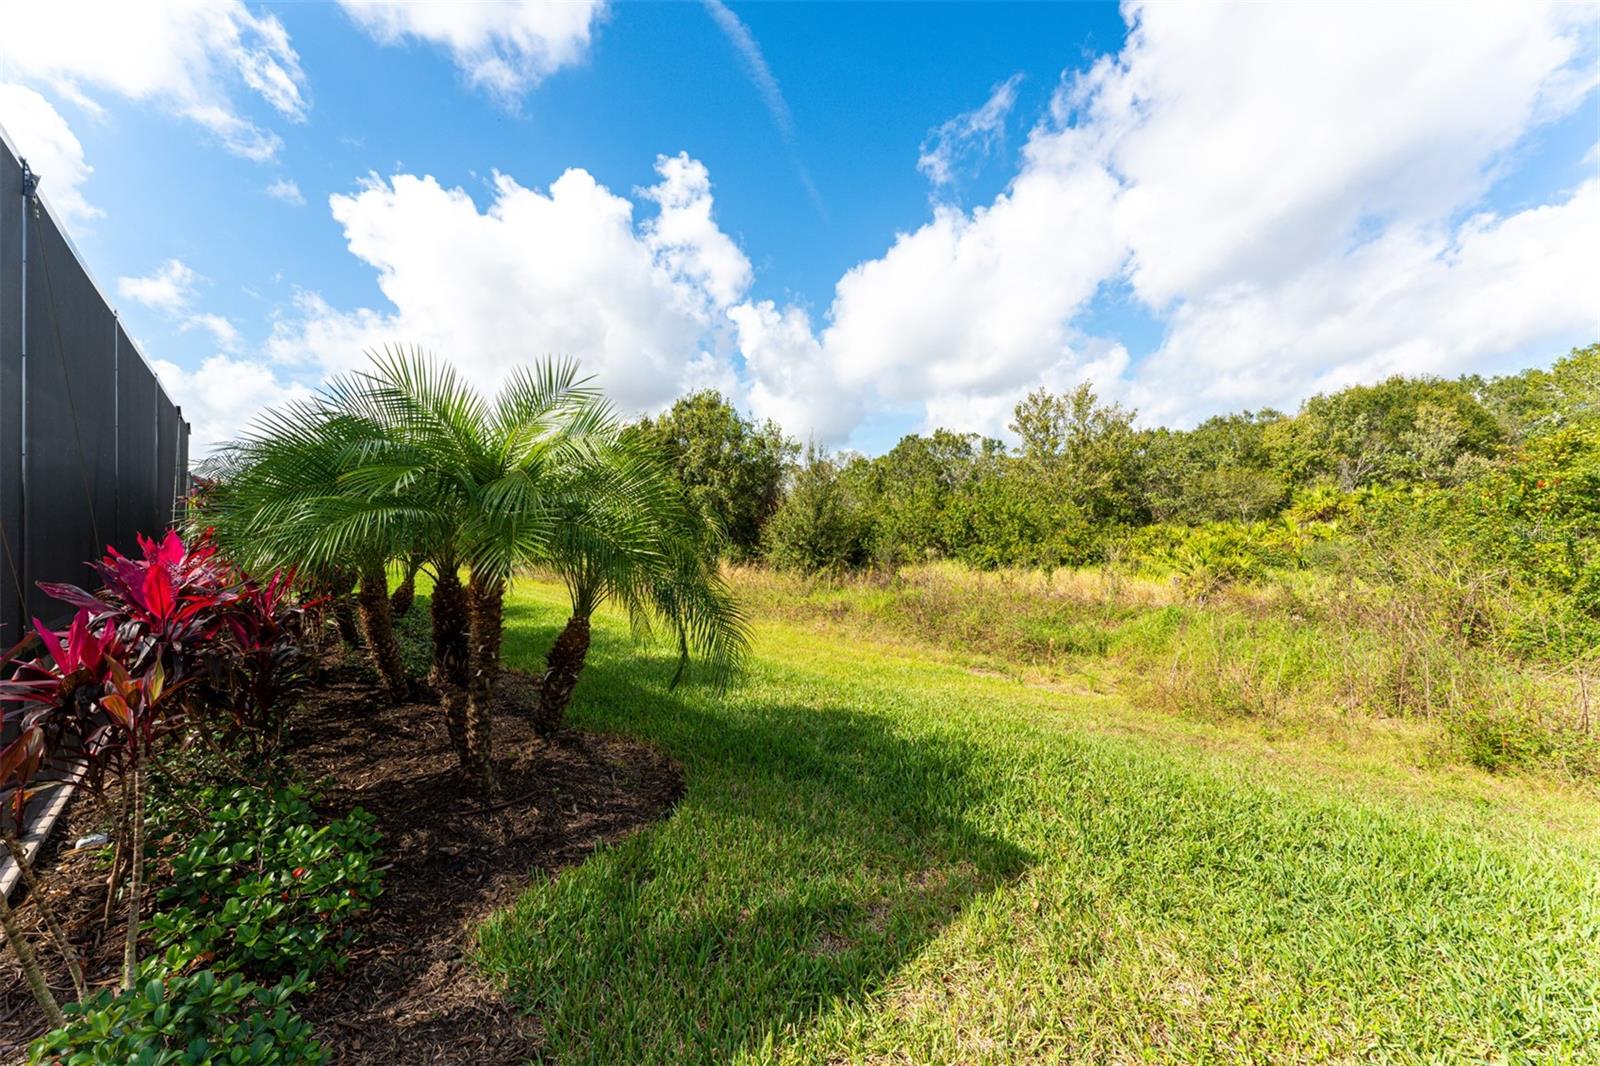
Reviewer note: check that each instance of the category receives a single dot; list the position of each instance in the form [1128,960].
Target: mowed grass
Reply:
[884,855]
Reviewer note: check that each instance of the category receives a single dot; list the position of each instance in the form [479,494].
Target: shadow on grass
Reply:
[817,849]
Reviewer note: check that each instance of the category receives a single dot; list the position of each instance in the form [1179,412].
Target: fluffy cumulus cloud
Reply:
[222,395]
[42,137]
[1494,293]
[504,48]
[1294,190]
[193,57]
[568,270]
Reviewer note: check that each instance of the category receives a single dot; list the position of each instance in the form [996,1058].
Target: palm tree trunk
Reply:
[377,625]
[344,614]
[450,653]
[486,602]
[563,664]
[404,593]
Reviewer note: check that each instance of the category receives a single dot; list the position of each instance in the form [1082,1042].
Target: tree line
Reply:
[1084,484]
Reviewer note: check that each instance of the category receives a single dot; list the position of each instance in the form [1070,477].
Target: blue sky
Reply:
[862,220]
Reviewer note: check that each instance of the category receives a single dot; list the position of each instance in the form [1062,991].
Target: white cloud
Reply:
[766,83]
[43,137]
[221,330]
[789,378]
[567,271]
[505,48]
[1416,300]
[963,143]
[170,289]
[1257,139]
[686,239]
[744,42]
[287,190]
[190,56]
[970,305]
[221,396]
[1295,190]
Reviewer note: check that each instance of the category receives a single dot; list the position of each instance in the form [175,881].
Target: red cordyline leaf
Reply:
[53,646]
[20,759]
[160,598]
[76,596]
[117,707]
[170,553]
[83,649]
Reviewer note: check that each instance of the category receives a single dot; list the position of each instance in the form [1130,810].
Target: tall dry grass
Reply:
[1383,634]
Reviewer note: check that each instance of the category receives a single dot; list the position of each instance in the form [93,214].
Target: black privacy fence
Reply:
[92,451]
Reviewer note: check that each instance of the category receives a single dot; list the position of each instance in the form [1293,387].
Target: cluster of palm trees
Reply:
[404,462]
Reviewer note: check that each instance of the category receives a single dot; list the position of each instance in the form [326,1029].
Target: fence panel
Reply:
[70,451]
[91,449]
[137,397]
[10,396]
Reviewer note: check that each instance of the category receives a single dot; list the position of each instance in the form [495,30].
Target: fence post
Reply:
[116,425]
[30,184]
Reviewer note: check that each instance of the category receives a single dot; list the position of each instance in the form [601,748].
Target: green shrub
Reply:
[821,526]
[263,888]
[193,1018]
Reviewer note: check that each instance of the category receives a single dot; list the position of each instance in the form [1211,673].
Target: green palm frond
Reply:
[405,457]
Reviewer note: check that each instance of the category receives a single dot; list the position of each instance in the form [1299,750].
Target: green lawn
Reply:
[885,855]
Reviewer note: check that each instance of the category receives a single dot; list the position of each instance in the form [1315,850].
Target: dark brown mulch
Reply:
[408,994]
[74,884]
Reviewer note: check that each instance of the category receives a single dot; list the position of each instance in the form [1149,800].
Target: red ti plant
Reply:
[54,698]
[50,703]
[82,704]
[134,717]
[259,660]
[168,604]
[100,696]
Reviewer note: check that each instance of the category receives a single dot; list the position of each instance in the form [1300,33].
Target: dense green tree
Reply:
[912,489]
[1218,470]
[731,467]
[1082,475]
[1538,400]
[1401,429]
[823,524]
[1084,448]
[1014,514]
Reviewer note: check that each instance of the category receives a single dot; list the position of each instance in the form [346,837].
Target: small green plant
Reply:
[196,1018]
[266,890]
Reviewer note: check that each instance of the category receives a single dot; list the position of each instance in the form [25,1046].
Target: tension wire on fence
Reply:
[16,584]
[66,379]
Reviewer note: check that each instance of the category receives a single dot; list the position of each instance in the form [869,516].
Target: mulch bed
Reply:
[408,994]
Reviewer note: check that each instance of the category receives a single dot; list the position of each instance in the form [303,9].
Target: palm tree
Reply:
[626,533]
[404,459]
[487,477]
[405,593]
[282,500]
